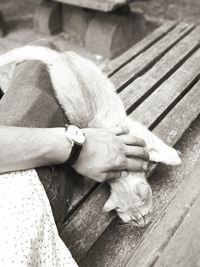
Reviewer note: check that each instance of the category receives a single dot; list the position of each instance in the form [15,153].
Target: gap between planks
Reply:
[135,93]
[118,63]
[146,60]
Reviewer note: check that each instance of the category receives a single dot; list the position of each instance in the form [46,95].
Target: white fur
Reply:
[88,99]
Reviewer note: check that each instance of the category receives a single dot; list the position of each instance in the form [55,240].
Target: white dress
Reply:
[28,234]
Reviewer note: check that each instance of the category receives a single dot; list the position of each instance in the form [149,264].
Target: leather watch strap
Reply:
[74,155]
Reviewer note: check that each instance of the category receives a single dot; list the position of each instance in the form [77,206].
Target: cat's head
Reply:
[131,197]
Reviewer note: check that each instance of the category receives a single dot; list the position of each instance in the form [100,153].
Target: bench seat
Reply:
[158,81]
[101,5]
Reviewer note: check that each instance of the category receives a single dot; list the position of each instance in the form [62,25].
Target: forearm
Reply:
[24,148]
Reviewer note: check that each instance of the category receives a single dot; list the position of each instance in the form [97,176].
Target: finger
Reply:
[137,165]
[119,130]
[136,151]
[132,140]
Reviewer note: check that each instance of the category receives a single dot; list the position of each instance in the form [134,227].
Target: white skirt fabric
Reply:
[28,234]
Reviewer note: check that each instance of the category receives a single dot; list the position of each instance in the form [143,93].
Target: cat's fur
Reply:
[88,99]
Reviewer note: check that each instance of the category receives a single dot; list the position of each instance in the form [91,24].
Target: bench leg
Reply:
[48,19]
[111,34]
[76,20]
[2,26]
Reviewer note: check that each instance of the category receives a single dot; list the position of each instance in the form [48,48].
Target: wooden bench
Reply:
[106,28]
[158,81]
[101,5]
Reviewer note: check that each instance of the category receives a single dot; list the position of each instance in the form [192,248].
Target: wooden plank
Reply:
[181,115]
[177,84]
[139,48]
[183,249]
[167,223]
[102,5]
[87,223]
[147,59]
[136,92]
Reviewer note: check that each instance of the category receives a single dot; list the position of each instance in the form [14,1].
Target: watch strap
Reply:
[74,155]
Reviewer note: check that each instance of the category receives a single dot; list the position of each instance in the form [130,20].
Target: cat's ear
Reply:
[110,204]
[143,191]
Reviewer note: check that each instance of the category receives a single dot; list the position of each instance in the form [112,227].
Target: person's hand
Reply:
[106,154]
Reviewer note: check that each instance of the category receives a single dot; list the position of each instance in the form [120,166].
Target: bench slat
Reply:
[147,59]
[144,85]
[183,249]
[87,223]
[139,48]
[166,224]
[179,118]
[102,5]
[159,101]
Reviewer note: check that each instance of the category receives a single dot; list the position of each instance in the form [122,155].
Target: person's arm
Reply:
[104,155]
[24,148]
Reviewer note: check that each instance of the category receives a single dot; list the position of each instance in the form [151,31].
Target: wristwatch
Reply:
[77,138]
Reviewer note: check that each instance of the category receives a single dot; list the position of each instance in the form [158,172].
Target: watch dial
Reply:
[76,134]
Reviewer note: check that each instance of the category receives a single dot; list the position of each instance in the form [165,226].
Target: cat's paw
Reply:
[168,157]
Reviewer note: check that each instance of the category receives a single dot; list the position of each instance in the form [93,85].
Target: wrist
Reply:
[60,147]
[77,139]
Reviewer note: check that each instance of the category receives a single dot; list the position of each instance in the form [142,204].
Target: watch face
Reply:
[76,134]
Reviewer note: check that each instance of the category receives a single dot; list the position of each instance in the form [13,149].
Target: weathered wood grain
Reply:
[141,88]
[183,249]
[167,223]
[87,223]
[177,84]
[180,117]
[139,48]
[147,59]
[102,5]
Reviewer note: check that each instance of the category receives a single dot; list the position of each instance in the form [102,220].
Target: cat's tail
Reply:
[29,52]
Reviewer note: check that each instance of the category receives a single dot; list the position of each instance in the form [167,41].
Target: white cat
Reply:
[88,99]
